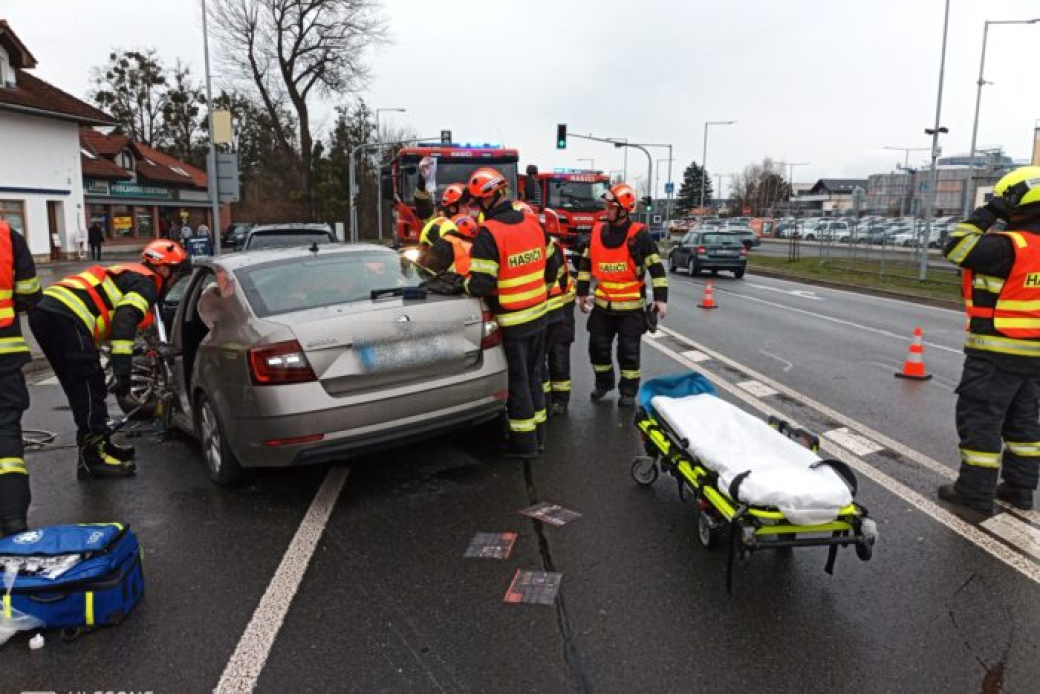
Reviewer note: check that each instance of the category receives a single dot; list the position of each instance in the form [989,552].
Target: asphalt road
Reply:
[388,603]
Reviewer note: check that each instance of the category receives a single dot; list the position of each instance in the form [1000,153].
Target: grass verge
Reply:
[899,278]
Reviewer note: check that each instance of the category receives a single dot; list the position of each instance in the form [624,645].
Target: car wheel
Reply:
[221,465]
[693,267]
[738,273]
[671,264]
[810,237]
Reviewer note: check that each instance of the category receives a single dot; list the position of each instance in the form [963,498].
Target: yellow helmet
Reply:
[1019,188]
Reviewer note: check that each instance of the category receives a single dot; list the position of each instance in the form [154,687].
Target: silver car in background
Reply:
[296,356]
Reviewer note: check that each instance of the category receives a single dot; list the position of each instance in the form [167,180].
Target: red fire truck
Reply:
[455,163]
[571,203]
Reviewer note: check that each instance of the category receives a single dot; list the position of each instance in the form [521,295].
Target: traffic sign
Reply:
[669,188]
[445,137]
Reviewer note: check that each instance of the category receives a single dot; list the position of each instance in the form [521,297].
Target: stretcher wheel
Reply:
[708,536]
[644,471]
[864,551]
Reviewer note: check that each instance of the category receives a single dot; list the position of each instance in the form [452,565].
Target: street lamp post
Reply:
[212,187]
[379,196]
[704,152]
[933,175]
[352,186]
[978,103]
[790,173]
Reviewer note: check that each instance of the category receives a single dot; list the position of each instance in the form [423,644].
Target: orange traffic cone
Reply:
[913,367]
[708,300]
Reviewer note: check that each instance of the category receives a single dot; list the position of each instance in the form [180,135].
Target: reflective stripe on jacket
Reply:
[619,284]
[522,294]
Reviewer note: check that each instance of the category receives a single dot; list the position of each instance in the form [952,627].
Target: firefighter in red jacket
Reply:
[511,268]
[559,336]
[83,311]
[19,291]
[998,399]
[437,225]
[619,254]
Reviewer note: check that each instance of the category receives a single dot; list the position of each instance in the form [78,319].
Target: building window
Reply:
[98,214]
[143,217]
[13,212]
[122,222]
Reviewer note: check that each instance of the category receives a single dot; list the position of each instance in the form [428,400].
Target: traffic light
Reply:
[561,136]
[648,203]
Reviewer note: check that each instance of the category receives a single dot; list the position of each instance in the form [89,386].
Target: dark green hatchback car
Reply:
[709,250]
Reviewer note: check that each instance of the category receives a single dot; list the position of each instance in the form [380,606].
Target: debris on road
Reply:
[551,513]
[491,546]
[534,587]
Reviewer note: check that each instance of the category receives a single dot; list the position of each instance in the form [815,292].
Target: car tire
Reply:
[692,267]
[714,272]
[222,466]
[738,273]
[671,264]
[810,237]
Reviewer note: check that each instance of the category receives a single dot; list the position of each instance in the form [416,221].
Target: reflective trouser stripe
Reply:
[13,465]
[122,347]
[619,305]
[980,458]
[659,282]
[523,425]
[561,386]
[602,368]
[11,345]
[7,606]
[1025,450]
[89,608]
[631,374]
[540,416]
[546,386]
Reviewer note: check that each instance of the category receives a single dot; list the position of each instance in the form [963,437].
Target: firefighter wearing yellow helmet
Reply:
[998,403]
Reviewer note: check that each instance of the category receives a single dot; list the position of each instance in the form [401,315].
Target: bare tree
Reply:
[133,87]
[760,186]
[293,50]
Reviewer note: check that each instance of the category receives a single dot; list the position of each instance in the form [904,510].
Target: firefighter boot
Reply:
[95,462]
[1019,497]
[626,401]
[120,452]
[950,493]
[13,526]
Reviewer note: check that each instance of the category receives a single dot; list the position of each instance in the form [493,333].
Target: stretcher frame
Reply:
[747,528]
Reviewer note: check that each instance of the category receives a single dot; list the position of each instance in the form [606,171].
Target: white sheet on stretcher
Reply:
[730,441]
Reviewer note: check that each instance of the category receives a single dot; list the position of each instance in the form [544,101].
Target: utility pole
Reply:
[213,189]
[933,175]
[379,197]
[704,153]
[906,170]
[352,186]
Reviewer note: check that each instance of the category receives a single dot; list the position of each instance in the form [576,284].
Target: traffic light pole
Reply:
[649,161]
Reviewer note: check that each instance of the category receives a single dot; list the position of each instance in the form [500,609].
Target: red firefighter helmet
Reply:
[485,182]
[163,252]
[453,194]
[466,225]
[622,195]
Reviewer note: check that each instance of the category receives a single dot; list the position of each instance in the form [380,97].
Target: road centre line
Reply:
[801,293]
[841,321]
[1021,535]
[861,295]
[920,458]
[247,662]
[926,506]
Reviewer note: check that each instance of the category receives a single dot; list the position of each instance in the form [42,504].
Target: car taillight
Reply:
[282,362]
[701,250]
[492,335]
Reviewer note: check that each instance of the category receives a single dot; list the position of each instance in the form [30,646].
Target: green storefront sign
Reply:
[132,190]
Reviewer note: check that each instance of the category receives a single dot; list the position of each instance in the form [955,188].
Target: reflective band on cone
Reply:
[913,367]
[708,300]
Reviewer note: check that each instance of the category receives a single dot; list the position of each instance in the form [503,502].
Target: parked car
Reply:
[709,250]
[236,233]
[827,230]
[286,236]
[292,357]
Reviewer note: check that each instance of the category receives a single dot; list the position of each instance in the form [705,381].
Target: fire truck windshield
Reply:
[454,171]
[582,196]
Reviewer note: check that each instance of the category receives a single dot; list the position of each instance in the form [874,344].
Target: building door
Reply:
[56,227]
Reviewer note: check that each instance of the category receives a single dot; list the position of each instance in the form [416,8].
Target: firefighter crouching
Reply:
[19,291]
[83,311]
[511,268]
[619,254]
[559,336]
[998,399]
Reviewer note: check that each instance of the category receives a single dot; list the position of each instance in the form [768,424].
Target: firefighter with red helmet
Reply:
[452,200]
[19,291]
[619,254]
[511,268]
[80,313]
[451,252]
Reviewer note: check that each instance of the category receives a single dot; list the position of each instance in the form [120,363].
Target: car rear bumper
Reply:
[721,263]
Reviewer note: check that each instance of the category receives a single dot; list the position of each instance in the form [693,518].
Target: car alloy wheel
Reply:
[209,432]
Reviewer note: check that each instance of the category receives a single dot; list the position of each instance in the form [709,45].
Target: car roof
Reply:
[291,226]
[238,261]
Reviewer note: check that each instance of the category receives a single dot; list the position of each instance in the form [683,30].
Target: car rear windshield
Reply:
[285,239]
[304,282]
[719,239]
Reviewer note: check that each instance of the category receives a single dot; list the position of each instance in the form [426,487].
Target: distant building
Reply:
[41,186]
[829,196]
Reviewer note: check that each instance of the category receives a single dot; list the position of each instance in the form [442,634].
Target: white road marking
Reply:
[787,365]
[52,381]
[862,295]
[860,445]
[803,293]
[695,356]
[757,389]
[926,506]
[1021,535]
[243,669]
[888,442]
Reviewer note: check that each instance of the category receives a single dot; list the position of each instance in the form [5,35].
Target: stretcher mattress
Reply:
[730,441]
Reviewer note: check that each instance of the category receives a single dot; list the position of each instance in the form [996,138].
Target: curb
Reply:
[870,291]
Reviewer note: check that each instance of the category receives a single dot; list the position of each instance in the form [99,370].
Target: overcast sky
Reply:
[818,81]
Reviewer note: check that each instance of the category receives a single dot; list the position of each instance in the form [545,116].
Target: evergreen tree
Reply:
[690,191]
